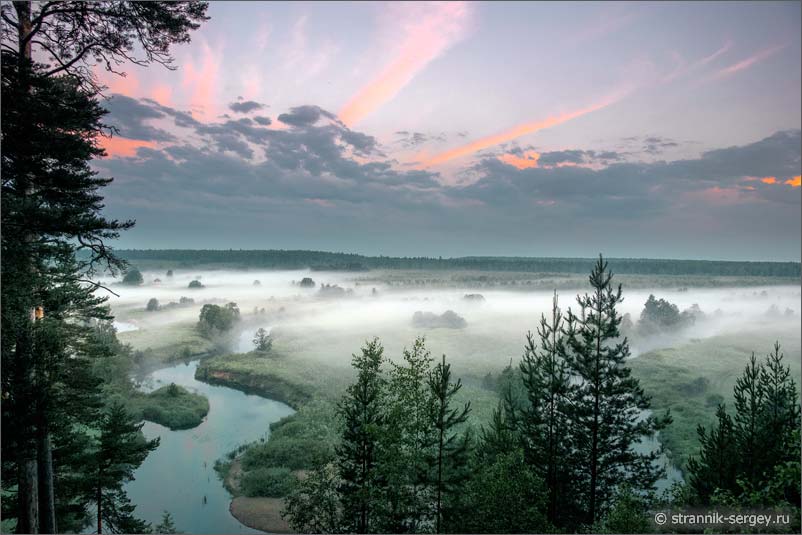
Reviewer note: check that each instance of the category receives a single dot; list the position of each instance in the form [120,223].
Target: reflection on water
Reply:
[179,475]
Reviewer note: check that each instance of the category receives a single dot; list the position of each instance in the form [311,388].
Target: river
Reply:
[179,475]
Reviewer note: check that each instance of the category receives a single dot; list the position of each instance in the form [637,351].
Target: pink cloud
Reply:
[429,30]
[746,63]
[201,80]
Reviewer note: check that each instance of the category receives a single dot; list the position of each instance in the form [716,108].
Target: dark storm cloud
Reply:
[246,106]
[129,116]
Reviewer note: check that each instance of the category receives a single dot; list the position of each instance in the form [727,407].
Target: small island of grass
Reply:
[174,407]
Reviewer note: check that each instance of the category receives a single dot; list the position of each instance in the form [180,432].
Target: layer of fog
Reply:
[331,327]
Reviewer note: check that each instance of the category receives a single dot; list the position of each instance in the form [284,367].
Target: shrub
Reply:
[268,482]
[152,305]
[195,284]
[307,282]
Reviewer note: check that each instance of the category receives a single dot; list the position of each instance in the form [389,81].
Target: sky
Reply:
[661,130]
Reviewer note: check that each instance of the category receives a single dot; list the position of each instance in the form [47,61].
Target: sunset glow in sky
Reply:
[536,129]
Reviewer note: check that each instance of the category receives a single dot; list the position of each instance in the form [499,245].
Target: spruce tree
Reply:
[120,450]
[363,418]
[451,450]
[608,405]
[543,423]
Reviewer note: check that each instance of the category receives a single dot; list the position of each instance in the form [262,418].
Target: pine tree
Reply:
[499,437]
[608,404]
[50,201]
[120,450]
[748,458]
[363,417]
[167,525]
[717,464]
[781,412]
[543,423]
[749,396]
[450,455]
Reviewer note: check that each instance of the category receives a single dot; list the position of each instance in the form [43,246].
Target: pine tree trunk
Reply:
[99,499]
[28,488]
[27,496]
[47,499]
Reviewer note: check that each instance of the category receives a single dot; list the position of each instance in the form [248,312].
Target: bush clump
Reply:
[173,406]
[447,320]
[268,482]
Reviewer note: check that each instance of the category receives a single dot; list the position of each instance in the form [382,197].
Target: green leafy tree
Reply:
[450,456]
[504,495]
[363,418]
[120,451]
[406,438]
[262,341]
[153,305]
[629,514]
[133,277]
[314,504]
[607,404]
[215,320]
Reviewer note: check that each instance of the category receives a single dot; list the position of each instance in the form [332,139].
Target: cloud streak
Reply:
[515,132]
[436,29]
[746,63]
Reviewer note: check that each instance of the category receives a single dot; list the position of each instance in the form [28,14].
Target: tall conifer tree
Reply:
[608,404]
[451,450]
[363,416]
[544,422]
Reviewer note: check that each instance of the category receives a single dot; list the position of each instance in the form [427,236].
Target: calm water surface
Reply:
[179,475]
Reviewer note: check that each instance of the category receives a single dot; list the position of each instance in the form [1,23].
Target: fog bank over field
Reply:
[331,322]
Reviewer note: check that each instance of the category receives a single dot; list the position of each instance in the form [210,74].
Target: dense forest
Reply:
[320,260]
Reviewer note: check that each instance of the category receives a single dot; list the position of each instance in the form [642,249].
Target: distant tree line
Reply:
[298,259]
